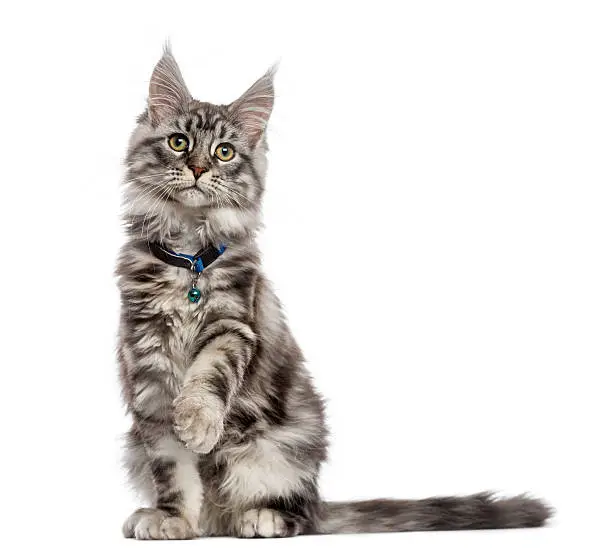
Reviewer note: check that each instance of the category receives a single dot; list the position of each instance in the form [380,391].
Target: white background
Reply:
[438,226]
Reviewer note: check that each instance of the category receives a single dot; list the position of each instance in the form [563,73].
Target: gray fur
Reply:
[228,431]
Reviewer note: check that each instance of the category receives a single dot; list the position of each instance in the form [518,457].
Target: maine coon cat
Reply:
[228,431]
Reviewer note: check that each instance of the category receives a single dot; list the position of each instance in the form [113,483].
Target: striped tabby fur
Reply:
[228,431]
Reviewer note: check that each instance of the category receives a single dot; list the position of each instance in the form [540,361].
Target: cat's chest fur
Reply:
[169,323]
[183,320]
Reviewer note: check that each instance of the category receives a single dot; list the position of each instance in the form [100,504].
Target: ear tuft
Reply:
[253,109]
[168,93]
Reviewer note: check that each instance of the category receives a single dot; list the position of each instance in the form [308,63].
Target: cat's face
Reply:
[194,156]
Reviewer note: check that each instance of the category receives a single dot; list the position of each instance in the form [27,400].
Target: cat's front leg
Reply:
[178,487]
[165,470]
[227,346]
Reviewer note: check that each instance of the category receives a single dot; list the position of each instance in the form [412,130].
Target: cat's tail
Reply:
[474,512]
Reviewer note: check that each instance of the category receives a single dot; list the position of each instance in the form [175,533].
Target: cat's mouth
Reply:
[192,187]
[192,196]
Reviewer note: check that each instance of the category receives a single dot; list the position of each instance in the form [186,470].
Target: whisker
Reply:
[150,212]
[165,196]
[229,194]
[146,192]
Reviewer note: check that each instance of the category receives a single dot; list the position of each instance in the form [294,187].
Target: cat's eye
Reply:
[225,152]
[178,142]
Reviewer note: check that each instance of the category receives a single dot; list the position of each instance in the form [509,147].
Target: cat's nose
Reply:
[197,171]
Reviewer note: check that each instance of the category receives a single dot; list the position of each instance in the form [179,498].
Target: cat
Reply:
[228,432]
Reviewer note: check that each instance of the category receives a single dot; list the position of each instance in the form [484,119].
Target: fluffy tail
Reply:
[474,512]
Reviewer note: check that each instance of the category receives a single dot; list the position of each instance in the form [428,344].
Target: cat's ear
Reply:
[168,93]
[252,110]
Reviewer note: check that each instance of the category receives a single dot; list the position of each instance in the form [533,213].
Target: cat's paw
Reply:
[264,523]
[155,524]
[198,421]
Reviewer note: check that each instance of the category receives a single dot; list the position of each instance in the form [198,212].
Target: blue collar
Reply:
[196,263]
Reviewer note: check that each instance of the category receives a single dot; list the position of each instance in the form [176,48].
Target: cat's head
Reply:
[196,159]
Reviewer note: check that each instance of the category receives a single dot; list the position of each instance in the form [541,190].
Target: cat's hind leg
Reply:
[266,523]
[271,489]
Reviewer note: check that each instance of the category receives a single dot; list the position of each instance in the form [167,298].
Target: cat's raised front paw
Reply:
[198,421]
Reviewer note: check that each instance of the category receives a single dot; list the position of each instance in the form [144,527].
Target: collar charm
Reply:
[195,264]
[194,294]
